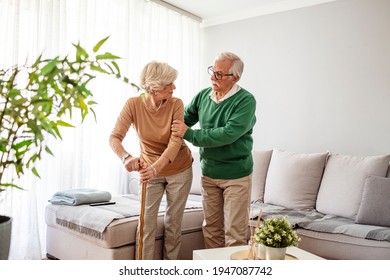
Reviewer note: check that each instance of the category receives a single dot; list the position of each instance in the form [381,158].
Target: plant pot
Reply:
[272,253]
[261,251]
[5,236]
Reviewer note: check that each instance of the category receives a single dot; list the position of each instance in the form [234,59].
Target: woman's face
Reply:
[166,92]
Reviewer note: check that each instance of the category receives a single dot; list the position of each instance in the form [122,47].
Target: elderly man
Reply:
[226,115]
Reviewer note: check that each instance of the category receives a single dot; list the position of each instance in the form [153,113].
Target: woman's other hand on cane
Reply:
[147,172]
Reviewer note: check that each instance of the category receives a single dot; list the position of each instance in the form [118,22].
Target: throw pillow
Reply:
[293,179]
[375,206]
[261,161]
[342,185]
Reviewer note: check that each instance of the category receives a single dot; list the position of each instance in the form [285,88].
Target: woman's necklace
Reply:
[154,107]
[159,106]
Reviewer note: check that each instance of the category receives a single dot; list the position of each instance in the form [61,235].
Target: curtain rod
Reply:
[177,9]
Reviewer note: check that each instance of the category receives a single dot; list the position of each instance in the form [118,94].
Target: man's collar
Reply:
[235,88]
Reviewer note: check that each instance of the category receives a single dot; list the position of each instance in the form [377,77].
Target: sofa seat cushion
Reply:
[342,247]
[316,221]
[375,206]
[342,185]
[293,179]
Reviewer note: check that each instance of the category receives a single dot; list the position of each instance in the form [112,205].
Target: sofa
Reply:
[338,204]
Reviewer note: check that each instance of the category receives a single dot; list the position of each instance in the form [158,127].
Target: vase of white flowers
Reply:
[276,234]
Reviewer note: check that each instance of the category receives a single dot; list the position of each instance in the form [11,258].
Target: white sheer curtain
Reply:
[139,31]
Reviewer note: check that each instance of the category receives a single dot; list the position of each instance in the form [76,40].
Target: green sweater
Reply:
[225,134]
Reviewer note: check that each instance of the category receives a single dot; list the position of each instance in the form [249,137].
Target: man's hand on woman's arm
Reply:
[178,128]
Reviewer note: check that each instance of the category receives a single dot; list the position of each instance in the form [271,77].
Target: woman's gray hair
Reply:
[156,75]
[237,64]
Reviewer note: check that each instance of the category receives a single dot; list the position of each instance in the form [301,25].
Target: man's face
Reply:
[226,83]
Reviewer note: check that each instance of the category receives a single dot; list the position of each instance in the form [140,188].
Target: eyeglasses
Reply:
[217,75]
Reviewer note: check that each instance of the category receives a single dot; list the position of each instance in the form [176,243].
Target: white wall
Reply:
[321,75]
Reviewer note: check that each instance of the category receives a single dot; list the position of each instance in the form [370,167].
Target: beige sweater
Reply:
[154,133]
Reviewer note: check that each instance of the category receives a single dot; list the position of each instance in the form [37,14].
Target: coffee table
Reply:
[225,253]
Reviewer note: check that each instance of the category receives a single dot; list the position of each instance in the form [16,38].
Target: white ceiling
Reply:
[213,12]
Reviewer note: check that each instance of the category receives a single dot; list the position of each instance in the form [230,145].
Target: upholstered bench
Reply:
[117,241]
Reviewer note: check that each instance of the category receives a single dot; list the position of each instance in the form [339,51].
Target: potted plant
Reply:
[276,234]
[35,101]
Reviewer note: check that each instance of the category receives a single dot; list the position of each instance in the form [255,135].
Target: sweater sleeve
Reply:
[175,142]
[121,128]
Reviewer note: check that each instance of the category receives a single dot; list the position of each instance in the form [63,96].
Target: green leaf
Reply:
[136,86]
[3,148]
[19,168]
[83,115]
[18,102]
[13,92]
[10,185]
[98,69]
[107,55]
[22,144]
[48,67]
[62,123]
[81,53]
[83,89]
[116,67]
[109,66]
[36,129]
[37,61]
[55,128]
[99,44]
[82,104]
[35,172]
[48,151]
[94,114]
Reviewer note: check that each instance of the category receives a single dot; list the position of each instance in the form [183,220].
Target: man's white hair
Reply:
[237,64]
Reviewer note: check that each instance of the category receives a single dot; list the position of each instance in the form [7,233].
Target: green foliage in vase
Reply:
[276,232]
[37,99]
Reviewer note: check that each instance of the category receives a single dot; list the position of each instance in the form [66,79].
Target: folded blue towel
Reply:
[80,196]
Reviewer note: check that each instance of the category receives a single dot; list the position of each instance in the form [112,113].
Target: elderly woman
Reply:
[165,163]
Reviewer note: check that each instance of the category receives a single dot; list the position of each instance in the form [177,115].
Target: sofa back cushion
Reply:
[343,181]
[261,161]
[293,179]
[375,206]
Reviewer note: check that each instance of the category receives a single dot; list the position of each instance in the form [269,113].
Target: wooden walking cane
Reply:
[141,221]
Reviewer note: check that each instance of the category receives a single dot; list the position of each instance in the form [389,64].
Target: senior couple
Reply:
[226,116]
